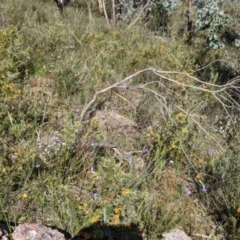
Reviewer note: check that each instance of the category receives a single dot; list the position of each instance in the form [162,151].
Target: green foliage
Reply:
[213,19]
[141,147]
[14,59]
[160,15]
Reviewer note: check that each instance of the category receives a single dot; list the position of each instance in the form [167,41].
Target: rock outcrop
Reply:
[176,234]
[28,231]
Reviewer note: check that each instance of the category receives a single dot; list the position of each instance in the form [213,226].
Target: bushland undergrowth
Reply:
[114,126]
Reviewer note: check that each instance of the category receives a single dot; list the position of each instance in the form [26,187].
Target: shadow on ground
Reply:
[98,231]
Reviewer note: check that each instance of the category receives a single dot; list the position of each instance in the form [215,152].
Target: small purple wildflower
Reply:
[94,195]
[93,170]
[188,191]
[204,189]
[146,150]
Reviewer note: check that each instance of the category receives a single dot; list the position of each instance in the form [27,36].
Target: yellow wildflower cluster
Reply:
[82,206]
[95,219]
[116,220]
[9,89]
[117,210]
[117,214]
[126,191]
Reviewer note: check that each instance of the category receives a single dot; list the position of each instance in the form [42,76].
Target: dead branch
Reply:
[213,89]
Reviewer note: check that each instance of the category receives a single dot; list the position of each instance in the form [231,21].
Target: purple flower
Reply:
[145,150]
[94,195]
[204,189]
[93,170]
[188,191]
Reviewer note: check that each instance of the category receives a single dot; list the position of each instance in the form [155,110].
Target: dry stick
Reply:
[139,15]
[100,6]
[105,13]
[110,87]
[222,87]
[113,12]
[89,11]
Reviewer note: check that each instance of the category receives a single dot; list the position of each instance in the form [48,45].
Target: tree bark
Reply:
[189,22]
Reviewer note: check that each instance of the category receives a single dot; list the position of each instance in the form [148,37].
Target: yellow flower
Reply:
[200,161]
[80,207]
[115,220]
[198,176]
[95,219]
[150,134]
[85,204]
[173,146]
[238,210]
[24,196]
[4,170]
[117,210]
[126,191]
[180,116]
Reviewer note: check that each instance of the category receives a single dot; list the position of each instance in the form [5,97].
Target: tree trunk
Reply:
[189,22]
[100,5]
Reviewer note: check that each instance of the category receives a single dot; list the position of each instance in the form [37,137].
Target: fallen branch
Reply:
[213,89]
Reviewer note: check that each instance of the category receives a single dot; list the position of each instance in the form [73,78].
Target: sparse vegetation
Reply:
[116,126]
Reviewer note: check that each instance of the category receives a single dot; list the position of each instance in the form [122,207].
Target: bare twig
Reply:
[105,13]
[111,87]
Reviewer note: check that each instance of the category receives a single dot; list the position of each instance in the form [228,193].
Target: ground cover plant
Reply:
[115,127]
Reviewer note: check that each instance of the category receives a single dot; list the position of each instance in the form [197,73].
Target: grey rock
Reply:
[28,231]
[176,234]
